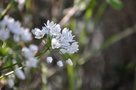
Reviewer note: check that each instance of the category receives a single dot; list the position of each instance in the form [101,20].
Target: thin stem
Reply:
[9,66]
[7,9]
[70,71]
[9,73]
[44,51]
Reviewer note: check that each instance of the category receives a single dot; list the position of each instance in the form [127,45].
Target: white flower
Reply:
[60,63]
[10,82]
[73,47]
[27,52]
[33,48]
[66,35]
[26,35]
[62,39]
[38,33]
[70,49]
[8,20]
[63,51]
[32,62]
[45,30]
[30,52]
[20,74]
[55,43]
[16,38]
[69,61]
[50,25]
[14,27]
[8,24]
[49,59]
[4,34]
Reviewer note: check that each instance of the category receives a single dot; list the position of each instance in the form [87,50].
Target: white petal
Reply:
[60,63]
[49,59]
[69,61]
[20,74]
[38,33]
[32,62]
[55,43]
[33,48]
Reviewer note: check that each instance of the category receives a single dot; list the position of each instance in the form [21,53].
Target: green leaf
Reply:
[4,51]
[116,4]
[7,63]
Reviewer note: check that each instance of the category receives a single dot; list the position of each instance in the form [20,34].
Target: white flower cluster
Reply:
[62,39]
[9,25]
[29,54]
[31,61]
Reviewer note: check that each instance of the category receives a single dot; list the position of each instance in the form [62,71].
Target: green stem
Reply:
[9,66]
[7,9]
[70,70]
[44,76]
[41,53]
[9,73]
[48,45]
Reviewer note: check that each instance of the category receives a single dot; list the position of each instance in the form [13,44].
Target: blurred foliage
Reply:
[116,4]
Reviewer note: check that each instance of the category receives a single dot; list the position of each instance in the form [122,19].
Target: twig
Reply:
[7,9]
[67,17]
[9,73]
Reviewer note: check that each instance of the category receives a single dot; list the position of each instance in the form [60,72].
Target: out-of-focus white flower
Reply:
[16,38]
[55,43]
[8,24]
[69,61]
[27,52]
[30,52]
[4,34]
[26,35]
[7,20]
[38,33]
[20,3]
[32,62]
[20,74]
[60,63]
[14,27]
[49,59]
[10,81]
[33,48]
